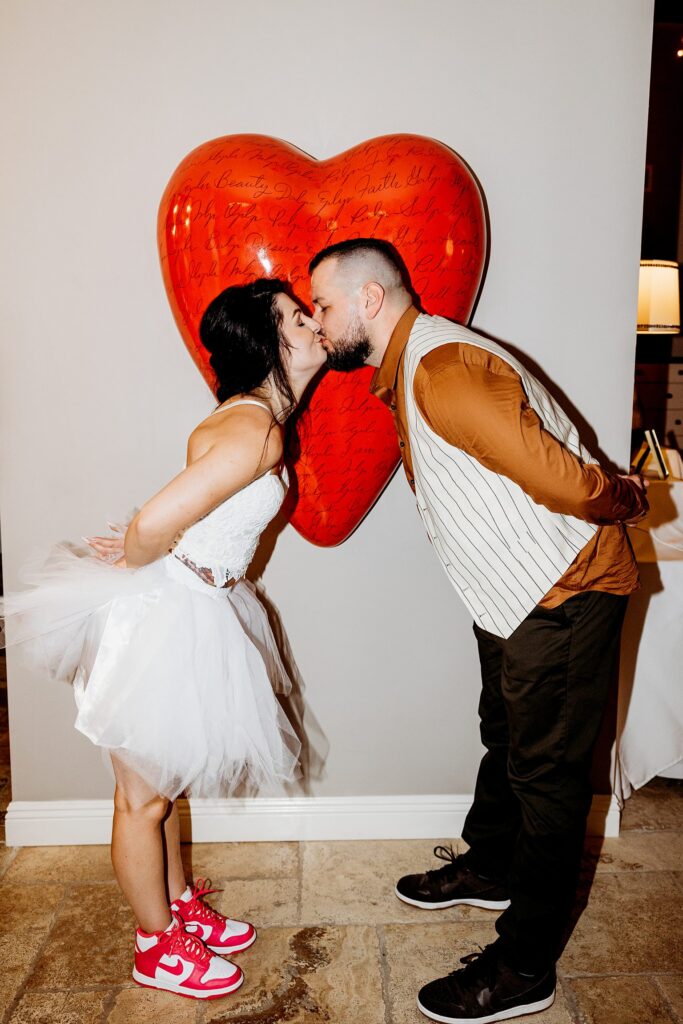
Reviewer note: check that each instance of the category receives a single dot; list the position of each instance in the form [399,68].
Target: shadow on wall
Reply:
[314,743]
[586,432]
[638,605]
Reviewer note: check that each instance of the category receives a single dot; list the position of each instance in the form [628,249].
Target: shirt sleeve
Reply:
[487,414]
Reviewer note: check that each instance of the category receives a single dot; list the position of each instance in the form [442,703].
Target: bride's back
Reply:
[223,542]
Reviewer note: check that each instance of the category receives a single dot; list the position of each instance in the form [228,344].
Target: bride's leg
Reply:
[175,873]
[137,850]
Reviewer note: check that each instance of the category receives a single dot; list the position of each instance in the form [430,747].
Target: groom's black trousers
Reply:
[542,702]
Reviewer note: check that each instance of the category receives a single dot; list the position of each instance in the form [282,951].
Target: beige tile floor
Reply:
[334,944]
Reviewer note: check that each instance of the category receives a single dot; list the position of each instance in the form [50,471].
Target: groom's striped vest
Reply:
[501,551]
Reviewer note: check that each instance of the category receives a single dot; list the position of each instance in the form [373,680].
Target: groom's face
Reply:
[336,308]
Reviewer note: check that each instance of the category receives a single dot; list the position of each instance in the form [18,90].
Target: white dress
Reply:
[172,674]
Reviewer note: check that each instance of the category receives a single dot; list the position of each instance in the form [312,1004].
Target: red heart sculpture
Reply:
[248,206]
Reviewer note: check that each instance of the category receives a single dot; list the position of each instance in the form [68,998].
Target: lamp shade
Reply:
[658,303]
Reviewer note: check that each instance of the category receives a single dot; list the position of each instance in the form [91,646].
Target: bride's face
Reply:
[304,354]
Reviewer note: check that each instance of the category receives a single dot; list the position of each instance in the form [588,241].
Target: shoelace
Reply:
[201,888]
[477,964]
[184,942]
[446,853]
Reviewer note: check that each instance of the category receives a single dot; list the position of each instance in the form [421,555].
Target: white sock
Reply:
[184,897]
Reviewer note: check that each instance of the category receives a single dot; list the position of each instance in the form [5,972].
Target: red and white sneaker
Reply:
[179,962]
[219,933]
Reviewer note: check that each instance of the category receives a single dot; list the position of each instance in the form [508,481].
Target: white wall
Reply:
[547,102]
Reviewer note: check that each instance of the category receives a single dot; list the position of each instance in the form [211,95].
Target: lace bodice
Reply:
[224,540]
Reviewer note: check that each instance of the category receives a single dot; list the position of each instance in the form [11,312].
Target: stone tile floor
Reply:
[334,944]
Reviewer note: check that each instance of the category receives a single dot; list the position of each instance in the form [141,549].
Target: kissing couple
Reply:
[175,668]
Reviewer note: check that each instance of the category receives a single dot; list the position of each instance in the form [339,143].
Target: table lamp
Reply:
[658,302]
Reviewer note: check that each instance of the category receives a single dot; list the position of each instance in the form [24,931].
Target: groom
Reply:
[530,532]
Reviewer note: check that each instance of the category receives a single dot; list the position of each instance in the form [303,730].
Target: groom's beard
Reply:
[352,349]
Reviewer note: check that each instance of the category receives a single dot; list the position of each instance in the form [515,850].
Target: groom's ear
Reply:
[373,297]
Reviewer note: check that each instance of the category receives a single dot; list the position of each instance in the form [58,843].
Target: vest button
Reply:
[412,481]
[401,444]
[393,407]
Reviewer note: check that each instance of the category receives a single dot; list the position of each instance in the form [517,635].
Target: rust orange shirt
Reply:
[475,401]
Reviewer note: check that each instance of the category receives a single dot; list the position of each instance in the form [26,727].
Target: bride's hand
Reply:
[108,548]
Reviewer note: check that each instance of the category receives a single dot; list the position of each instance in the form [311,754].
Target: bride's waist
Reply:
[181,567]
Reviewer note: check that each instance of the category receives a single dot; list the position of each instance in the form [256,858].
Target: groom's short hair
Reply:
[374,252]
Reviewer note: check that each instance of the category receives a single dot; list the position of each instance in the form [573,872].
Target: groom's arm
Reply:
[476,402]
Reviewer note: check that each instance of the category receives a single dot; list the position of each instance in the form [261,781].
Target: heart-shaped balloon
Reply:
[248,206]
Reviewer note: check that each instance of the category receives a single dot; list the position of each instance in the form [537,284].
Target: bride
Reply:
[169,651]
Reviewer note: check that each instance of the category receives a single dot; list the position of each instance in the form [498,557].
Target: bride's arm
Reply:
[236,457]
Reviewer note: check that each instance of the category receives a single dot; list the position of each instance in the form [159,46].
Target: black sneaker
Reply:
[486,990]
[451,885]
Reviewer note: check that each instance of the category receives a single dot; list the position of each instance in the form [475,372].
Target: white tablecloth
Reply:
[650,739]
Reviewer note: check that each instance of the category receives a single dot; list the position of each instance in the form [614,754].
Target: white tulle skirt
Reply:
[172,675]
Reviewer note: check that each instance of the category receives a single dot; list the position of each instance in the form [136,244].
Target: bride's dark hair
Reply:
[242,329]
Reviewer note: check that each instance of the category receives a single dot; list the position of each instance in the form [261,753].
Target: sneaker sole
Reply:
[234,949]
[514,1011]
[168,986]
[484,904]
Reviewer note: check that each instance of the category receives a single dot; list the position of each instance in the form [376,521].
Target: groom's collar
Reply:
[383,383]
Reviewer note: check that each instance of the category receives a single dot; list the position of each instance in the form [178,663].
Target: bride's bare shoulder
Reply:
[247,425]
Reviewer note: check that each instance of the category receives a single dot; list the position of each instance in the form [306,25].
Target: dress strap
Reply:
[243,401]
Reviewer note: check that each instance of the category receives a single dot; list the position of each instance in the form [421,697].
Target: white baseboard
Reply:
[85,822]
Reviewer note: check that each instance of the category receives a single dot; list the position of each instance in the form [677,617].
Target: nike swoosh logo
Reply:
[174,967]
[526,994]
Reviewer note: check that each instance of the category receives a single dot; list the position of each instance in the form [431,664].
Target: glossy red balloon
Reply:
[248,206]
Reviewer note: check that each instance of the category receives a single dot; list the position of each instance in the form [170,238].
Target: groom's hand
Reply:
[642,484]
